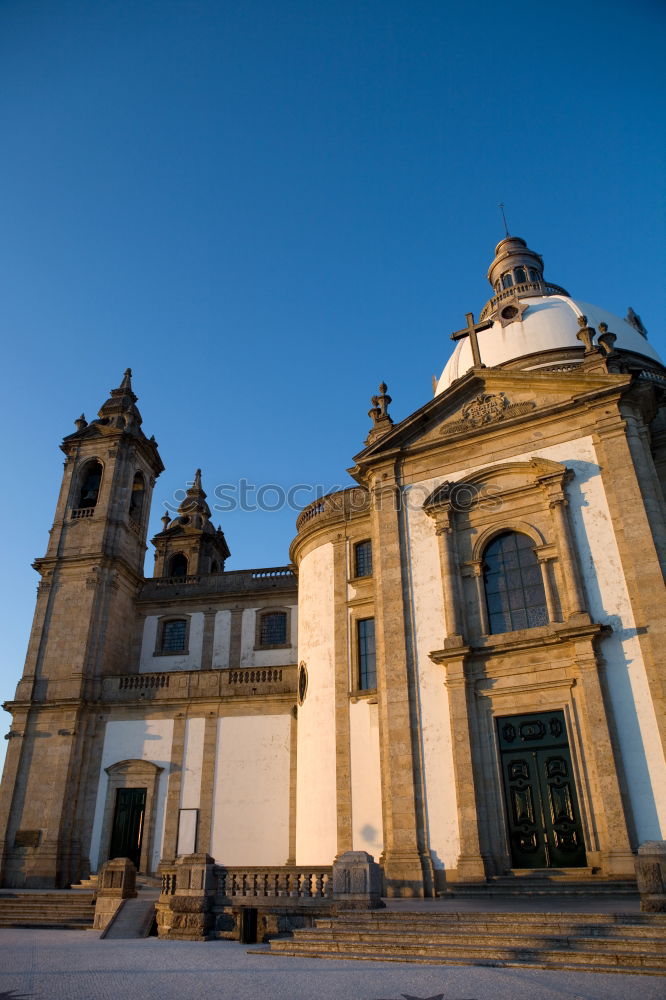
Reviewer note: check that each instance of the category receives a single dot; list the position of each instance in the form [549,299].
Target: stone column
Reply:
[471,867]
[172,810]
[551,603]
[477,573]
[407,867]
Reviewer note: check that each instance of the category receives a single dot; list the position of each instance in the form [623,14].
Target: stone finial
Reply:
[380,405]
[606,340]
[586,334]
[165,520]
[81,423]
[126,384]
[379,414]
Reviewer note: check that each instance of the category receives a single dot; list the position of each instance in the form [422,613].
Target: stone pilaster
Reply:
[638,554]
[342,725]
[207,780]
[407,868]
[208,639]
[616,856]
[470,866]
[172,811]
[235,637]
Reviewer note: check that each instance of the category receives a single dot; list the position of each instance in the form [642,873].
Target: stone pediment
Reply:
[483,400]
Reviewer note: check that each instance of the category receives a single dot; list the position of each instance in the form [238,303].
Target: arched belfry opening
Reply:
[178,565]
[137,498]
[91,480]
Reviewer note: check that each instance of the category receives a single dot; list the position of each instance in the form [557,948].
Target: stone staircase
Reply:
[583,942]
[63,910]
[530,884]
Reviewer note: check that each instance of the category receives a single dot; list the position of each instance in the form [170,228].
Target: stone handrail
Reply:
[287,882]
[172,685]
[525,288]
[335,506]
[233,581]
[81,512]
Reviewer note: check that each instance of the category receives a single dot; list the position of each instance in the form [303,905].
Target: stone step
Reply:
[414,940]
[560,962]
[61,910]
[594,942]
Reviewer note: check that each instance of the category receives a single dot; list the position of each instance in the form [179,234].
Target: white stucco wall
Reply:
[251,797]
[367,828]
[251,657]
[316,827]
[150,663]
[134,739]
[608,602]
[221,640]
[190,781]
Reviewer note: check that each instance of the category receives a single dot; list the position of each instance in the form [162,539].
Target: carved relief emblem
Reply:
[486,408]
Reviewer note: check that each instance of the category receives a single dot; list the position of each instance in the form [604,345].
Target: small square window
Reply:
[363,559]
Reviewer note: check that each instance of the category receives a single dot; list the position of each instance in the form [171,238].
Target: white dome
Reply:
[549,323]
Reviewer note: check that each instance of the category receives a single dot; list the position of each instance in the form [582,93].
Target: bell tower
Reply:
[189,545]
[81,632]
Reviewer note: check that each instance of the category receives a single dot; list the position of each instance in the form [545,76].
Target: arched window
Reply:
[520,275]
[90,484]
[178,565]
[137,497]
[534,275]
[513,583]
[507,280]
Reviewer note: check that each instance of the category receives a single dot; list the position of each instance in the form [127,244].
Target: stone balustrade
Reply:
[257,884]
[340,506]
[176,685]
[242,581]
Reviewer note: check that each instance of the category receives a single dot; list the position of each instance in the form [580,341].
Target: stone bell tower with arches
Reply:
[85,600]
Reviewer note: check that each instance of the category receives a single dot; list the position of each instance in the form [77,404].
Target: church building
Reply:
[459,669]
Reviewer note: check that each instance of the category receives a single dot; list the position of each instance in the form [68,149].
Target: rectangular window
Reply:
[363,559]
[273,629]
[367,661]
[173,636]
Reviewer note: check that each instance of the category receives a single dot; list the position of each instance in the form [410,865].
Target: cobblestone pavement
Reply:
[77,965]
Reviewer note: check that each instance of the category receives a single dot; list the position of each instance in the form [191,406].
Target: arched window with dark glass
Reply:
[513,583]
[507,280]
[178,565]
[520,275]
[90,483]
[137,498]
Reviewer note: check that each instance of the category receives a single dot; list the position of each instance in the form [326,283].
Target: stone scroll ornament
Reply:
[487,408]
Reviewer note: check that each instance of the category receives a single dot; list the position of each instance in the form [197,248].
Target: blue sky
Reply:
[265,208]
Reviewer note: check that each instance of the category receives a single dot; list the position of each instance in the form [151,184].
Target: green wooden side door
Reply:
[539,792]
[127,833]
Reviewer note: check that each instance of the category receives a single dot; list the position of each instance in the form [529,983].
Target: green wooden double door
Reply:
[542,809]
[128,824]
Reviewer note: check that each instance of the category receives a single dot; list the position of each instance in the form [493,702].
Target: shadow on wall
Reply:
[635,781]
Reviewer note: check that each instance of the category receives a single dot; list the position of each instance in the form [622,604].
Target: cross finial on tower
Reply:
[506,226]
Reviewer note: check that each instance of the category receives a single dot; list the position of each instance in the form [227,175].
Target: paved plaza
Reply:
[77,965]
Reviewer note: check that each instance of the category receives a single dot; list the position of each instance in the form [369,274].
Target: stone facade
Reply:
[356,702]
